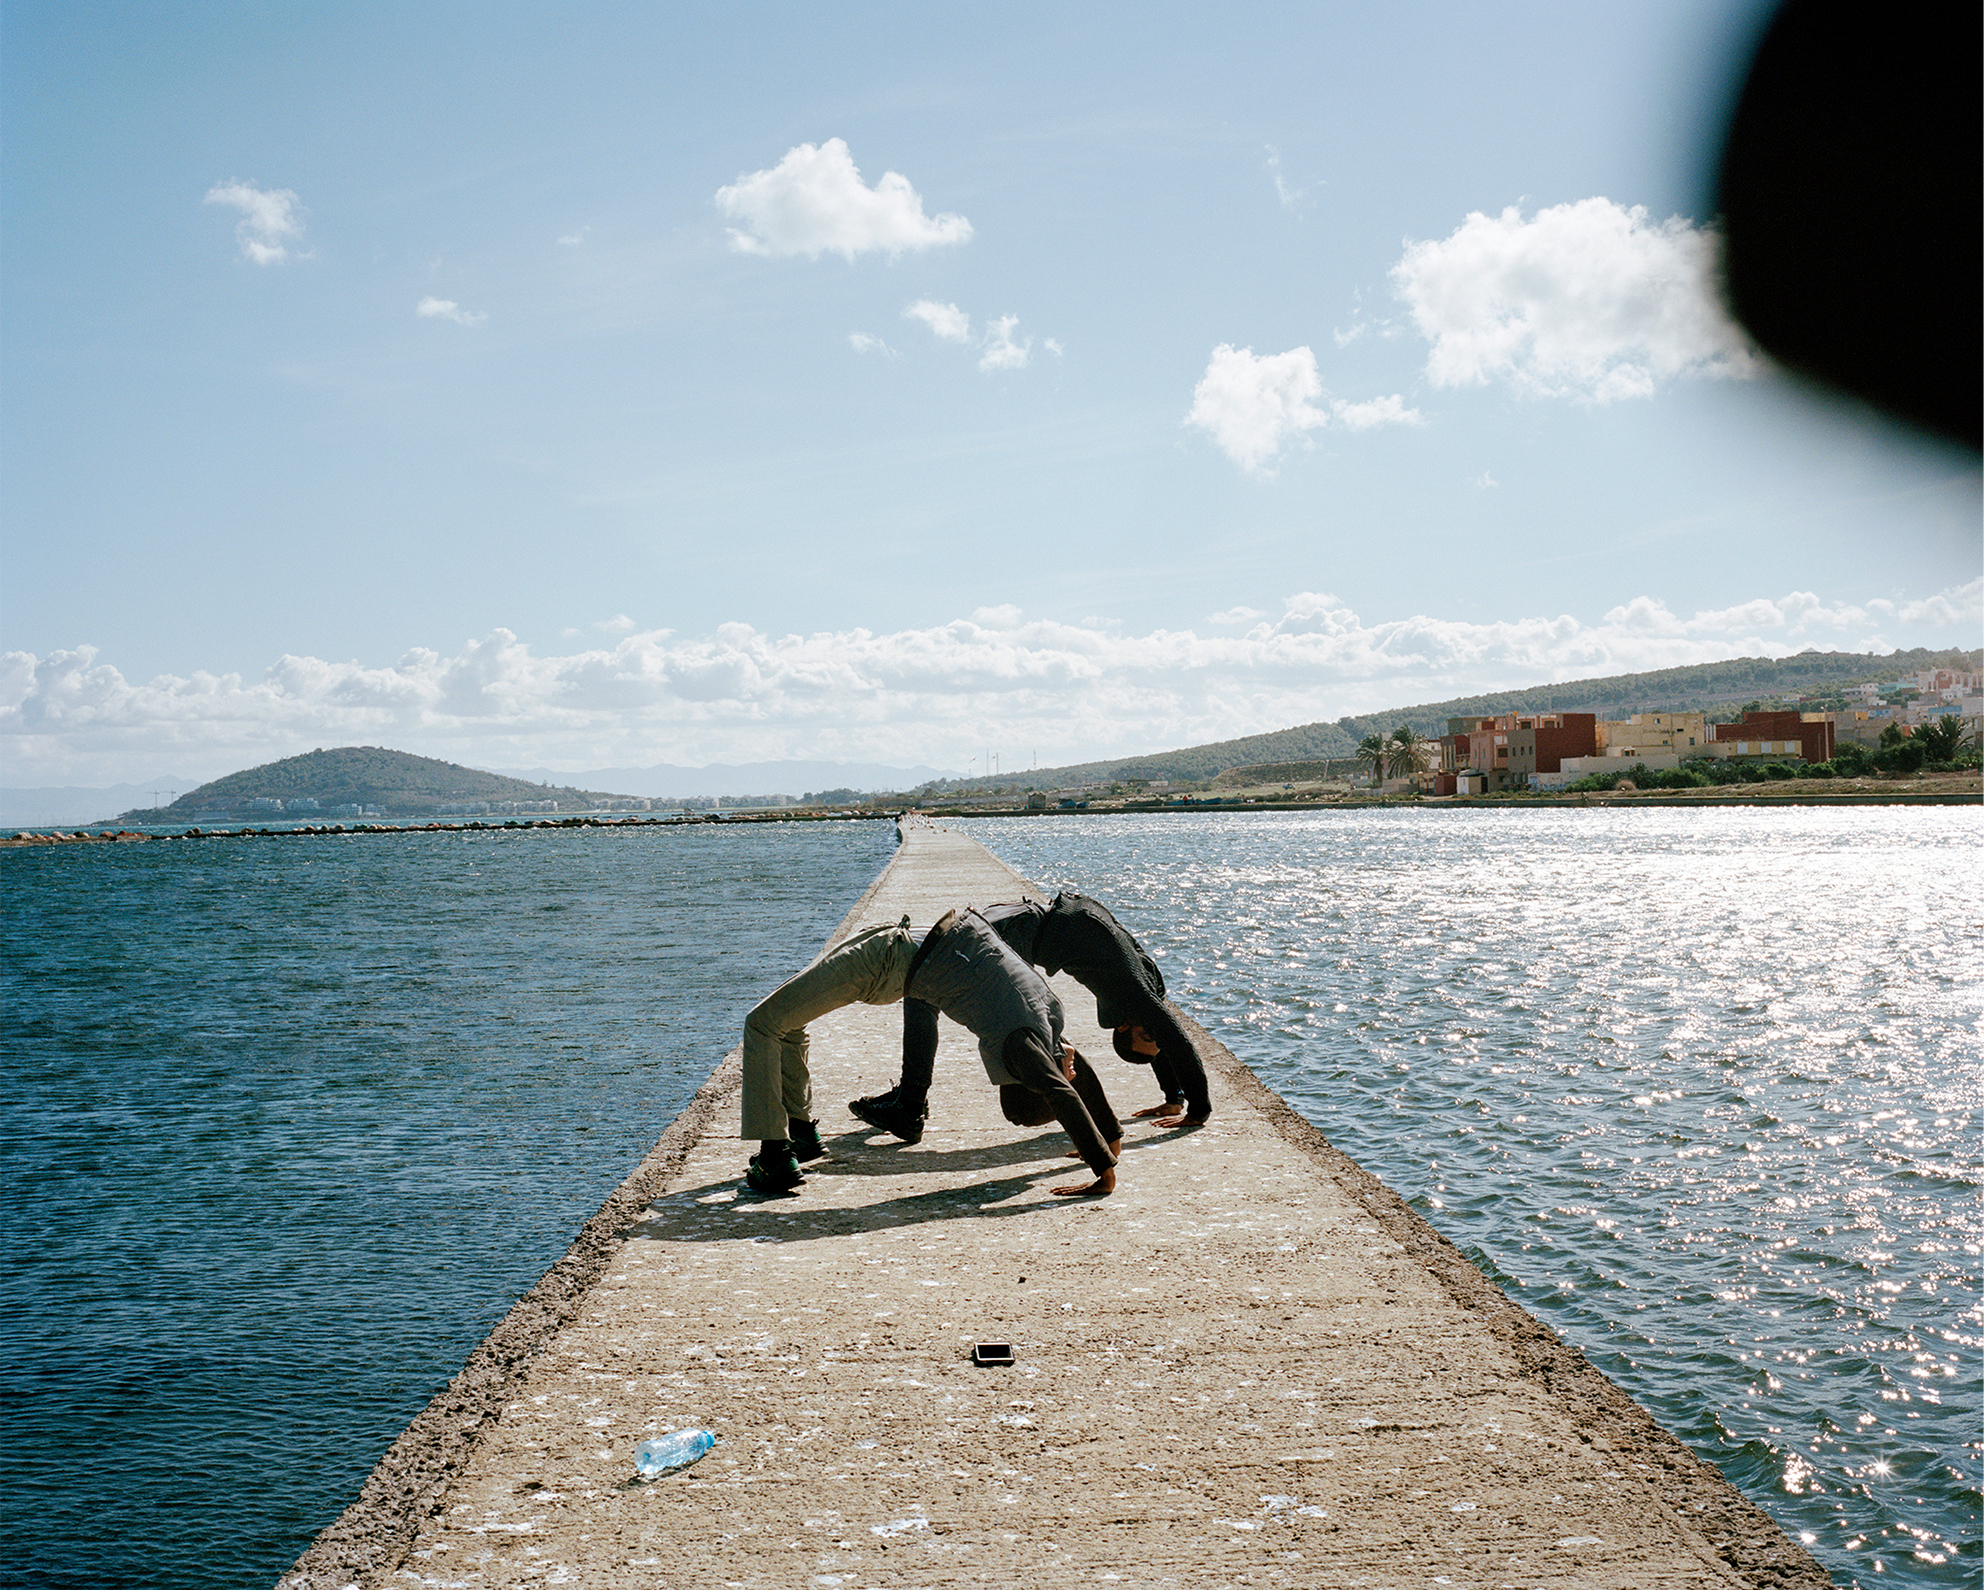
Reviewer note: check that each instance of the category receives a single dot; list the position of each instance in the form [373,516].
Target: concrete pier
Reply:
[1253,1364]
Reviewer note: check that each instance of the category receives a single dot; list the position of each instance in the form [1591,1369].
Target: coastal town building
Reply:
[1947,684]
[1652,740]
[1510,751]
[1808,735]
[1658,741]
[1653,733]
[1552,750]
[1861,726]
[1931,707]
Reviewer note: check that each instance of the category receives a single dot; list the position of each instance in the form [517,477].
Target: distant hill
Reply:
[395,783]
[1700,687]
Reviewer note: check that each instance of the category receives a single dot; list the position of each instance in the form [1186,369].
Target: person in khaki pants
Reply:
[965,970]
[866,968]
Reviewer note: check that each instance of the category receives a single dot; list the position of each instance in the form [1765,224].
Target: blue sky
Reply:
[574,386]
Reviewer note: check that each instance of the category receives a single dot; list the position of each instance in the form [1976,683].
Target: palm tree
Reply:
[1407,752]
[1372,749]
[1941,738]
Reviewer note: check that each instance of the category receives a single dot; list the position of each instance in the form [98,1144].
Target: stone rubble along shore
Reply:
[319,830]
[1254,1363]
[80,836]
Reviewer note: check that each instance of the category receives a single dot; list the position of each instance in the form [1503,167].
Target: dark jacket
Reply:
[1078,936]
[966,969]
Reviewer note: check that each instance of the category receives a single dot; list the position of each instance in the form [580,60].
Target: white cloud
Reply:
[946,321]
[1071,691]
[448,309]
[861,342]
[1252,404]
[618,624]
[1588,300]
[574,239]
[1373,412]
[1956,609]
[1289,197]
[1484,481]
[270,220]
[1053,346]
[1001,351]
[814,202]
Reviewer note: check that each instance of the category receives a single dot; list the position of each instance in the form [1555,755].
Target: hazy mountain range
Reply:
[667,781]
[60,805]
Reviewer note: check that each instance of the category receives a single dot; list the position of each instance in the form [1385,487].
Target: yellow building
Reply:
[1681,734]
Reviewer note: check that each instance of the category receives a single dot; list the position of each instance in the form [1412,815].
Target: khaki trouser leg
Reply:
[778,1086]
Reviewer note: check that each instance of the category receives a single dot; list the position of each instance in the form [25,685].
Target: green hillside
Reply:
[396,783]
[1700,687]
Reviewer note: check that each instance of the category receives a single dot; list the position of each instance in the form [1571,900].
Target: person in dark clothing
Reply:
[1135,1044]
[1079,936]
[966,971]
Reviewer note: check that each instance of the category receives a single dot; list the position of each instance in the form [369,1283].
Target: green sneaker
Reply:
[773,1173]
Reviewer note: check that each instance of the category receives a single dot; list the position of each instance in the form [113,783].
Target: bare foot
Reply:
[1101,1187]
[1157,1112]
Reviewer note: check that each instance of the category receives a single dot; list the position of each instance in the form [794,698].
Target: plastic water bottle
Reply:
[663,1454]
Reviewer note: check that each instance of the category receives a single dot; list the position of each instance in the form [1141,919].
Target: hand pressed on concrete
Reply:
[1101,1187]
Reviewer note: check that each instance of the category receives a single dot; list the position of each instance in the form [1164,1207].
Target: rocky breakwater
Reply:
[518,825]
[80,836]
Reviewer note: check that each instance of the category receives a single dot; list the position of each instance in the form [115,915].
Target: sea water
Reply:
[1699,1089]
[290,1123]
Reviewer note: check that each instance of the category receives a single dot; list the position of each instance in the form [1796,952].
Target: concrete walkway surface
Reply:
[1252,1365]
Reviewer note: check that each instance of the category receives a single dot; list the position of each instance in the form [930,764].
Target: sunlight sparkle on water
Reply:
[1699,1089]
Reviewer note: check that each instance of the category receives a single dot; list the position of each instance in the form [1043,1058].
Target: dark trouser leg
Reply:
[1095,1101]
[1027,1060]
[1177,1068]
[919,1055]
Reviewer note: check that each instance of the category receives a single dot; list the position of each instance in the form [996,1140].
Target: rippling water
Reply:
[289,1124]
[1699,1089]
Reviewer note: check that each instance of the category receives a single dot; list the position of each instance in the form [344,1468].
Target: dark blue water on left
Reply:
[289,1124]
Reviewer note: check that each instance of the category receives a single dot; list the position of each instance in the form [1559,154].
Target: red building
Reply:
[1515,747]
[1812,737]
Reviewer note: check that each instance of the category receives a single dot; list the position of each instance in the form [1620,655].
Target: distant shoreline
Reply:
[1751,795]
[99,836]
[1479,803]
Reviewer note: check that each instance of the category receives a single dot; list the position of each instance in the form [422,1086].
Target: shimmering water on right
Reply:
[1698,1089]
